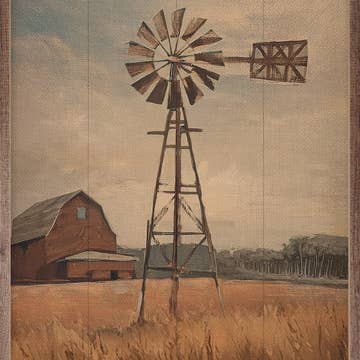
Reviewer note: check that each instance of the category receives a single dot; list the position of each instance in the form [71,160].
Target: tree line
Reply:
[317,256]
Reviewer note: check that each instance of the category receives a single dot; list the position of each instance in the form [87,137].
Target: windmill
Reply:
[172,69]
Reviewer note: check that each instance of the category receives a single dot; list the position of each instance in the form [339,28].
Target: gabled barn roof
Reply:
[38,220]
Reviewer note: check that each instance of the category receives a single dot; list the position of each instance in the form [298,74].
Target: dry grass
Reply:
[293,322]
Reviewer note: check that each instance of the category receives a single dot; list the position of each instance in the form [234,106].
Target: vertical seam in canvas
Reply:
[263,185]
[176,320]
[88,172]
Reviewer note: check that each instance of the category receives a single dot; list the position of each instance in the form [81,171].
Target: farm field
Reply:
[96,321]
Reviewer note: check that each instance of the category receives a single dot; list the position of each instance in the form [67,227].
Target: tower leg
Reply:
[176,223]
[212,254]
[150,225]
[174,294]
[141,302]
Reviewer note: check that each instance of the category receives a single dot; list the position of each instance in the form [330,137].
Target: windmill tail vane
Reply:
[174,63]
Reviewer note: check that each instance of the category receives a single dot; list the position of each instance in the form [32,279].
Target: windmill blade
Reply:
[206,76]
[206,81]
[146,34]
[208,73]
[158,94]
[192,91]
[143,84]
[209,38]
[138,68]
[175,99]
[160,25]
[177,18]
[194,25]
[140,50]
[184,68]
[211,57]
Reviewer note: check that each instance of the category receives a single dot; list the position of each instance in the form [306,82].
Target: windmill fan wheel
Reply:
[177,53]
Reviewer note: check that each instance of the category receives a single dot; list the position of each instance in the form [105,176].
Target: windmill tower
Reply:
[172,63]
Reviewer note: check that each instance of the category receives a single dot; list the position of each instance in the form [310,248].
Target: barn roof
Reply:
[38,220]
[99,256]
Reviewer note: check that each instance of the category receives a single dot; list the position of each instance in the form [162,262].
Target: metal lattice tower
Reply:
[173,64]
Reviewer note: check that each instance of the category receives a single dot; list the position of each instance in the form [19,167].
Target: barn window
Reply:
[81,213]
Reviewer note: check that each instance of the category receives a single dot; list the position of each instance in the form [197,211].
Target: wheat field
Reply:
[97,321]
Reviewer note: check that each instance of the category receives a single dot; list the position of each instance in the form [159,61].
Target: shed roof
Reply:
[99,256]
[38,220]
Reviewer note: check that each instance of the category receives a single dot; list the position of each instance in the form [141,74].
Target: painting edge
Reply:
[5,216]
[354,180]
[5,207]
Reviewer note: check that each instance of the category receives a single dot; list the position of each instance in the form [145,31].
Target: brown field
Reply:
[262,321]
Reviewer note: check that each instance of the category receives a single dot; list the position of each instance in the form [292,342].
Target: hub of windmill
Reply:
[175,59]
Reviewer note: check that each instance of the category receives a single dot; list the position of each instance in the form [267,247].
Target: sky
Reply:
[273,158]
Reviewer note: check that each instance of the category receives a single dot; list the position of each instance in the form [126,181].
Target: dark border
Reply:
[5,219]
[354,180]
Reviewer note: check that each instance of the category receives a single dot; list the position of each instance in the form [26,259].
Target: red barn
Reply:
[66,238]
